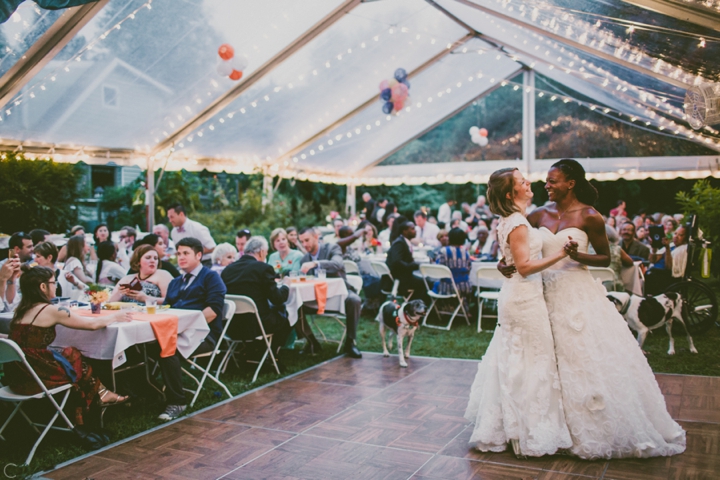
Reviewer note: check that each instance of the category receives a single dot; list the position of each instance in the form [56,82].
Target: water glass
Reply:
[321,273]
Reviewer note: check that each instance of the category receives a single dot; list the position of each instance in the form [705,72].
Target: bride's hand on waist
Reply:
[505,269]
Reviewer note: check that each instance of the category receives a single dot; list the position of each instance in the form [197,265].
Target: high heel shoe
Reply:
[516,448]
[119,399]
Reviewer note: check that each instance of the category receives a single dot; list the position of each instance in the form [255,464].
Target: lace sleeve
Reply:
[507,225]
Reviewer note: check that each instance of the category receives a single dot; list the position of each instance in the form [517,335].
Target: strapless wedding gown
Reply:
[613,404]
[516,393]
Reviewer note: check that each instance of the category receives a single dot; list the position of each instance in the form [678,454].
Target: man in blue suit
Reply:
[199,288]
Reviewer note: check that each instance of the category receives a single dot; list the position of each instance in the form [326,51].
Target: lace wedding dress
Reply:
[516,393]
[613,404]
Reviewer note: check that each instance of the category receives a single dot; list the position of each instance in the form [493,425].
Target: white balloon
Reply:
[224,68]
[483,141]
[239,62]
[474,131]
[475,138]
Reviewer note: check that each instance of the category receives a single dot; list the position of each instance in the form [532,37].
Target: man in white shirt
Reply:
[426,232]
[445,212]
[184,227]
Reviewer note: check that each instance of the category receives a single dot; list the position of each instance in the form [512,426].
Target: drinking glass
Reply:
[151,305]
[321,273]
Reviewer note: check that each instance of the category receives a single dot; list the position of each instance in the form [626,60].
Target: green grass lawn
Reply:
[462,341]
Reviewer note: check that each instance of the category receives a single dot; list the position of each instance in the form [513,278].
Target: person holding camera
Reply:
[669,262]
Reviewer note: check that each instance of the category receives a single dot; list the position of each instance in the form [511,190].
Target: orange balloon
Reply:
[483,132]
[226,51]
[235,75]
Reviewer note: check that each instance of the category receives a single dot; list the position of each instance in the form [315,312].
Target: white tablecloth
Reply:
[484,283]
[304,292]
[110,343]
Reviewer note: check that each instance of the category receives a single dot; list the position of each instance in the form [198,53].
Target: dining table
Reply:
[302,292]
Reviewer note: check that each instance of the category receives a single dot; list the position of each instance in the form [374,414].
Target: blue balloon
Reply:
[406,82]
[388,108]
[400,74]
[386,95]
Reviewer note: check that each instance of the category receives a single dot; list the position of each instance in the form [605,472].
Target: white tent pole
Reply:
[267,191]
[528,135]
[350,199]
[150,193]
[681,11]
[46,47]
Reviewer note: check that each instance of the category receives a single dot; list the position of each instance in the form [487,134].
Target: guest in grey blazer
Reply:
[328,256]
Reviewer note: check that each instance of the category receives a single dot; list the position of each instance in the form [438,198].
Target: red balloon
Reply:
[235,75]
[399,104]
[483,132]
[226,51]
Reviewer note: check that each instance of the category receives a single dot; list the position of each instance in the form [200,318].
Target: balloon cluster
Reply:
[479,136]
[230,65]
[394,92]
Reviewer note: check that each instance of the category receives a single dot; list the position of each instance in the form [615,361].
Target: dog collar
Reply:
[407,320]
[625,306]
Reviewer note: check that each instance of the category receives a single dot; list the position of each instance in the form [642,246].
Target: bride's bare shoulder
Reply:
[536,216]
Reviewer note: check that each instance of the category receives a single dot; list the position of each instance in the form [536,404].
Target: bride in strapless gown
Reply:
[613,404]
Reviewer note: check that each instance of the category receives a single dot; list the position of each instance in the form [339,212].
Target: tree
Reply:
[37,194]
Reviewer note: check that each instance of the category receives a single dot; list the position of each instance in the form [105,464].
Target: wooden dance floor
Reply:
[369,419]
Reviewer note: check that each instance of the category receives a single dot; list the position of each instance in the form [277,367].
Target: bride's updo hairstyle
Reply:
[500,184]
[584,191]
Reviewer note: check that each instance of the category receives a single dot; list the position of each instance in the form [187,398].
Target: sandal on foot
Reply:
[103,392]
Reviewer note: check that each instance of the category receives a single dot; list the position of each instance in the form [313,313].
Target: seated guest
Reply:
[183,227]
[456,257]
[284,259]
[21,248]
[108,271]
[635,249]
[643,236]
[101,234]
[198,289]
[371,282]
[128,236]
[619,210]
[33,329]
[75,276]
[426,232]
[223,255]
[384,235]
[46,254]
[9,275]
[252,277]
[328,256]
[241,238]
[162,231]
[669,263]
[39,236]
[293,240]
[154,282]
[76,231]
[158,243]
[338,223]
[400,260]
[443,241]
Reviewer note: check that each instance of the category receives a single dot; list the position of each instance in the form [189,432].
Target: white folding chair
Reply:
[351,267]
[11,352]
[604,274]
[382,269]
[228,312]
[242,305]
[487,276]
[440,272]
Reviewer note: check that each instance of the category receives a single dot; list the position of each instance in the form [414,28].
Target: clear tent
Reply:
[141,77]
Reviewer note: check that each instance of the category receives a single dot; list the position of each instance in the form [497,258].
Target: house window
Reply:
[110,96]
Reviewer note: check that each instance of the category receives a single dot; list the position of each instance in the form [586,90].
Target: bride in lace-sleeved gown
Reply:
[613,404]
[516,394]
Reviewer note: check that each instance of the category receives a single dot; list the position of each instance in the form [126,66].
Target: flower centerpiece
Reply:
[98,295]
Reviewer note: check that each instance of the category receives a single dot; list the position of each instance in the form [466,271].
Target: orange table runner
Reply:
[321,289]
[165,328]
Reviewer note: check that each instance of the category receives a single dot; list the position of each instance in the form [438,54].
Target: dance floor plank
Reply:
[370,419]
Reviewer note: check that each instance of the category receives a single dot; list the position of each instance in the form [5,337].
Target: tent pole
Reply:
[150,194]
[681,11]
[267,191]
[528,135]
[350,199]
[45,48]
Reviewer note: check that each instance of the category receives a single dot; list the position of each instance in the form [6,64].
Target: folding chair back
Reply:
[355,281]
[351,267]
[487,276]
[244,304]
[381,269]
[441,272]
[603,274]
[435,271]
[11,352]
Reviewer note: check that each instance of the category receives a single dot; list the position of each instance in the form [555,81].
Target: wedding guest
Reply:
[328,256]
[183,227]
[426,233]
[74,276]
[390,209]
[384,235]
[128,237]
[456,257]
[400,260]
[9,273]
[39,236]
[46,254]
[223,255]
[158,243]
[444,215]
[33,329]
[154,282]
[101,234]
[76,231]
[630,245]
[252,277]
[294,242]
[241,238]
[619,210]
[108,271]
[369,204]
[283,260]
[162,231]
[338,223]
[198,289]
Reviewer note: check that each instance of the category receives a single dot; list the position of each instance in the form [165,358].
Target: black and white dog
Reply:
[644,314]
[401,320]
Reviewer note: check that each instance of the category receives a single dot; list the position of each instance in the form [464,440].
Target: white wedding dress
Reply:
[516,393]
[613,404]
